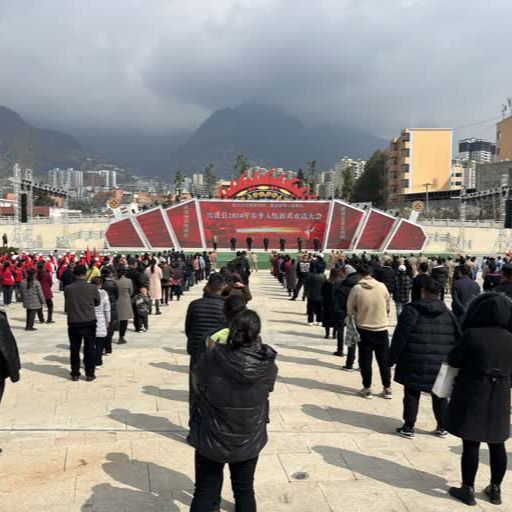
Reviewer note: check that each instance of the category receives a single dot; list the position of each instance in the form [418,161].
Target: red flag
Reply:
[88,255]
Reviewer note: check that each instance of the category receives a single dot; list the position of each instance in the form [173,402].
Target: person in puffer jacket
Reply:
[426,333]
[229,420]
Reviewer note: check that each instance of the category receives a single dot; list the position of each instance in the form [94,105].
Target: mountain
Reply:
[271,138]
[148,154]
[50,148]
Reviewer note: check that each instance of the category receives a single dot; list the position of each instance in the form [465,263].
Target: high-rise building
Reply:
[110,177]
[357,166]
[504,140]
[68,179]
[419,161]
[480,150]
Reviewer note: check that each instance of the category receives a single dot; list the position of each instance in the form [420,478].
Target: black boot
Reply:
[466,494]
[493,492]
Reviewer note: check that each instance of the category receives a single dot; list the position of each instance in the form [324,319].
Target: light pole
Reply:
[426,185]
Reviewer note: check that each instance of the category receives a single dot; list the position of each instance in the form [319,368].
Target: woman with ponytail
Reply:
[154,275]
[229,420]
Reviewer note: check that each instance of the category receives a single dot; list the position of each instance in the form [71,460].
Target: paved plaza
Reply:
[118,444]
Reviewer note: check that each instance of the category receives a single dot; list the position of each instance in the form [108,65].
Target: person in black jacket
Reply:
[341,292]
[506,281]
[479,410]
[464,291]
[440,273]
[9,357]
[204,316]
[385,274]
[492,278]
[401,289]
[313,287]
[419,281]
[426,333]
[328,316]
[81,299]
[229,422]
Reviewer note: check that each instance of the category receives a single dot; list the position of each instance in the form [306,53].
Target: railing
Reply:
[69,219]
[456,223]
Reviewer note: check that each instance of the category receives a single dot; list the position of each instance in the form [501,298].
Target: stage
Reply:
[331,225]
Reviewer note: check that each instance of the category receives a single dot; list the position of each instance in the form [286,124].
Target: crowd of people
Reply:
[474,337]
[232,371]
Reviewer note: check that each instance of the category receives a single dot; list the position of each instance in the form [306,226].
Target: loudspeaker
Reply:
[24,208]
[508,214]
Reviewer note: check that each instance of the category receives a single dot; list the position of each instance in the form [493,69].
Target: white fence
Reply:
[456,223]
[69,219]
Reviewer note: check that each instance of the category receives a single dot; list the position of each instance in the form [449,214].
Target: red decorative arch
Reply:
[266,186]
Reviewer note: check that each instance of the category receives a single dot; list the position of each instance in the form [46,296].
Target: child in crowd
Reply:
[233,305]
[102,320]
[142,309]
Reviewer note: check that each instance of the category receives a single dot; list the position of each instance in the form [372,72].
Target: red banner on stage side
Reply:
[184,221]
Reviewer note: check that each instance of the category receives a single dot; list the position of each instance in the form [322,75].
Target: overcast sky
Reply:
[166,64]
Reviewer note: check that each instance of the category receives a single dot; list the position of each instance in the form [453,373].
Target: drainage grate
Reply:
[300,476]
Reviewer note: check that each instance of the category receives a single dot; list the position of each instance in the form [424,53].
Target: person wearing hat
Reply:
[401,289]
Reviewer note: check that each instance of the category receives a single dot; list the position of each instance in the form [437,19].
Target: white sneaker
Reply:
[387,394]
[366,393]
[310,323]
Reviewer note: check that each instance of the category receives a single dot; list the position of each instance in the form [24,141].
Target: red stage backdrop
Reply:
[344,224]
[184,221]
[195,222]
[260,219]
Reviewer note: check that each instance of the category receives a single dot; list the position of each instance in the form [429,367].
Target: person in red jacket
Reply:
[45,280]
[19,275]
[8,283]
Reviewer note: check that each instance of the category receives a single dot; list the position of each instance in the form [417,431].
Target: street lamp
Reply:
[426,185]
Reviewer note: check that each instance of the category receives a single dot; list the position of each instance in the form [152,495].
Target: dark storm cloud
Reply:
[379,64]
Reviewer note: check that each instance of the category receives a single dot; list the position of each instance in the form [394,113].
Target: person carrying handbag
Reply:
[426,333]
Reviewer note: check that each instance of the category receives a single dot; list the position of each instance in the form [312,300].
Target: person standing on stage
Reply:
[282,244]
[266,243]
[233,243]
[316,244]
[215,241]
[299,244]
[249,243]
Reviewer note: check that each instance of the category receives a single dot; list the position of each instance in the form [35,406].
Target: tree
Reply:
[368,186]
[44,199]
[211,180]
[347,189]
[179,179]
[312,175]
[301,177]
[241,164]
[337,193]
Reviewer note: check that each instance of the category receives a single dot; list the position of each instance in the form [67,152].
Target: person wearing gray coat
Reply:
[124,303]
[33,298]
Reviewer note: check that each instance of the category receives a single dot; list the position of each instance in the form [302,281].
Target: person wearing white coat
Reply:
[102,320]
[154,275]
